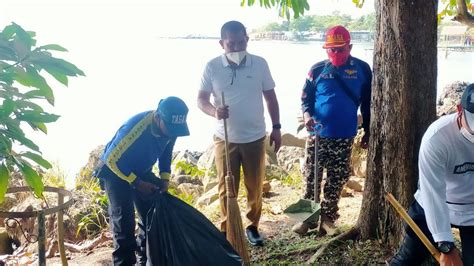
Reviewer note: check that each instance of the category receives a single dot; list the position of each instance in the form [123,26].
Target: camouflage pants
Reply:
[334,156]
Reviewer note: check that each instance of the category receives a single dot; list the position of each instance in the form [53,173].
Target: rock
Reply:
[209,182]
[266,187]
[354,185]
[180,179]
[85,173]
[206,161]
[273,171]
[289,157]
[6,243]
[208,197]
[346,193]
[190,189]
[450,97]
[289,140]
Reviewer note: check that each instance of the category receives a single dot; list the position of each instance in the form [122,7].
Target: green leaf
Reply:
[33,116]
[5,145]
[38,125]
[7,107]
[58,76]
[37,158]
[31,78]
[58,65]
[28,105]
[54,47]
[33,179]
[4,176]
[8,31]
[22,42]
[21,139]
[7,53]
[33,94]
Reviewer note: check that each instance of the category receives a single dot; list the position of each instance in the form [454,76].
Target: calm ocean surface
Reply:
[129,75]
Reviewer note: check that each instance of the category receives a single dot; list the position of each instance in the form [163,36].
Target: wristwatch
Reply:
[445,246]
[277,126]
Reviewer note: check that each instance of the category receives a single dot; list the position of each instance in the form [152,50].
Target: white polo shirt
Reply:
[446,183]
[243,88]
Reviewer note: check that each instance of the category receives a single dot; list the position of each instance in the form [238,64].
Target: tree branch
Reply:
[463,15]
[353,233]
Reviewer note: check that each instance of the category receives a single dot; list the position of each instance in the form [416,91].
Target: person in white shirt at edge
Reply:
[244,78]
[445,195]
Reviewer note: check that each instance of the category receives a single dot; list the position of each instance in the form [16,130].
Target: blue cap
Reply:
[173,112]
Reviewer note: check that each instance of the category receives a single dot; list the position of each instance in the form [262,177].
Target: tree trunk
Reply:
[403,106]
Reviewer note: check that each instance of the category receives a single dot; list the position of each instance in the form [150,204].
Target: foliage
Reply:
[188,198]
[450,8]
[322,23]
[285,7]
[288,7]
[22,86]
[55,176]
[190,169]
[95,219]
[298,7]
[293,179]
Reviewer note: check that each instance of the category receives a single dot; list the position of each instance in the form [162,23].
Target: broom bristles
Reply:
[234,228]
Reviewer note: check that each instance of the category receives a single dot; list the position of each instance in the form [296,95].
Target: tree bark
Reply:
[403,106]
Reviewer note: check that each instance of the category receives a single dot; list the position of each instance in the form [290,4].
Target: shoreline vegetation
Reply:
[451,35]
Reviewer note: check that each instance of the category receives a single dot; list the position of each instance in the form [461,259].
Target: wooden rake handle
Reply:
[229,179]
[401,211]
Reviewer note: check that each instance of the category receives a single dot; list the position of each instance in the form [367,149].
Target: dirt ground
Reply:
[281,244]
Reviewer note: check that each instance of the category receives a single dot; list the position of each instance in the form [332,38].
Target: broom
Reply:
[234,227]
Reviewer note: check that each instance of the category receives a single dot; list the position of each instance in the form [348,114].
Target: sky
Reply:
[169,17]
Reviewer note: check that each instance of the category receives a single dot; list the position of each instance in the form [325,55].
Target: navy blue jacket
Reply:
[328,102]
[136,147]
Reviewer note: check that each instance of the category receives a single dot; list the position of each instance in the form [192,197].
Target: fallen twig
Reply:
[88,245]
[350,234]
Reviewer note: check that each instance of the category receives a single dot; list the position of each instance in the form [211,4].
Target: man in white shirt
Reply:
[445,195]
[244,78]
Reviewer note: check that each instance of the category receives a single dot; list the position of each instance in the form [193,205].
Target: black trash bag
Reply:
[178,234]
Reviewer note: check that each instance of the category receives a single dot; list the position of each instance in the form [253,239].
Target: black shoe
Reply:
[253,236]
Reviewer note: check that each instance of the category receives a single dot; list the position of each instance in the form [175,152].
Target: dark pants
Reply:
[413,252]
[334,155]
[122,203]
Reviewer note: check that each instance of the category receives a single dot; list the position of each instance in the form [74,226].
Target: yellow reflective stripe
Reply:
[165,176]
[124,144]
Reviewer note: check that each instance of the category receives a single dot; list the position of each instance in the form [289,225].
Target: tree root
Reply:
[352,233]
[87,246]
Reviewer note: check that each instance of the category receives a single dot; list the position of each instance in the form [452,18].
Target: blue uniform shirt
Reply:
[136,147]
[332,105]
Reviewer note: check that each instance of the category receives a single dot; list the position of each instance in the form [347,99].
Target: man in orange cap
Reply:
[333,92]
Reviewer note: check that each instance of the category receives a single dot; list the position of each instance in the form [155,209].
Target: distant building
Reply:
[456,35]
[362,36]
[271,35]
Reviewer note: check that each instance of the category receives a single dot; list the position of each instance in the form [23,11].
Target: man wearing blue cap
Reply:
[127,174]
[445,195]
